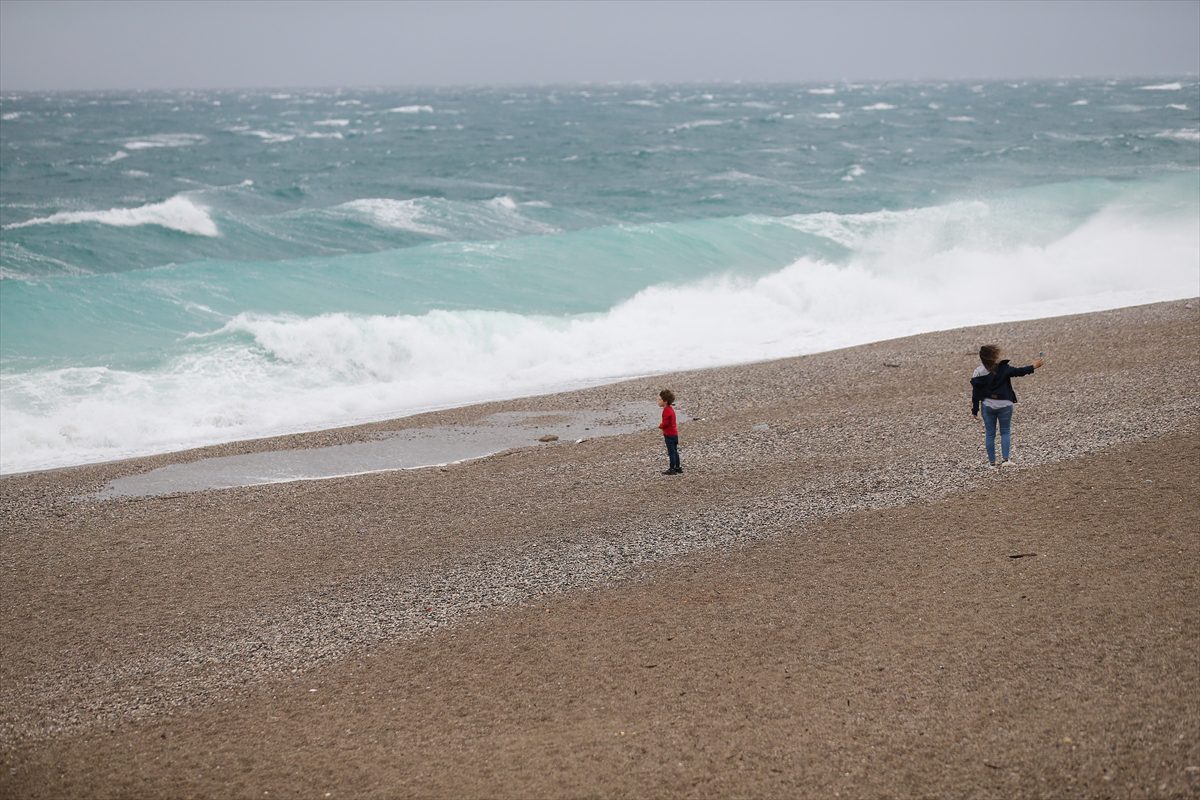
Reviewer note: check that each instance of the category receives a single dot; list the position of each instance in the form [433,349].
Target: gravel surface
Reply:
[131,611]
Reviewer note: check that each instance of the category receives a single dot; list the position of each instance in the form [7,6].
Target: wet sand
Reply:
[835,598]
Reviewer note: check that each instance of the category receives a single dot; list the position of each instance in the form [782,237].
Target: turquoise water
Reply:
[186,268]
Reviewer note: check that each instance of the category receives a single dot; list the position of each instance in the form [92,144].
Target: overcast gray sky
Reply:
[62,44]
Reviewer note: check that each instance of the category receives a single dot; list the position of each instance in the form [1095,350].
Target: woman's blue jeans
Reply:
[990,417]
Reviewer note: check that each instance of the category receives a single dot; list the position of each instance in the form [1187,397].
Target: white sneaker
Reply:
[1007,463]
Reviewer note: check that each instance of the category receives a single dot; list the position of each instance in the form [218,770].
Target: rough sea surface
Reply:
[185,268]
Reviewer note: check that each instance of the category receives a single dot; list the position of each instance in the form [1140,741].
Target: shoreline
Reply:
[454,415]
[827,501]
[287,438]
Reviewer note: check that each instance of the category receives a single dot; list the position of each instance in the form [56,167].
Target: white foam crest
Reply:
[166,140]
[1080,103]
[829,115]
[117,156]
[395,214]
[8,116]
[270,137]
[333,123]
[825,90]
[503,202]
[699,123]
[1177,106]
[854,171]
[180,213]
[324,135]
[273,374]
[1163,87]
[411,110]
[879,107]
[1181,135]
[960,119]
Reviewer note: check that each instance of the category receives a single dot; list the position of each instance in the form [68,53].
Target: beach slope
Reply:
[836,598]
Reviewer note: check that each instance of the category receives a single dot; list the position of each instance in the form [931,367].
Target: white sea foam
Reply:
[1177,106]
[1163,87]
[269,136]
[824,90]
[699,123]
[829,115]
[180,213]
[334,123]
[11,115]
[411,110]
[324,135]
[1181,135]
[1080,103]
[907,272]
[396,214]
[117,156]
[166,140]
[960,119]
[879,107]
[854,171]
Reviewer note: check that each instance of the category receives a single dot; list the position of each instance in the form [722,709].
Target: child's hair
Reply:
[989,355]
[668,396]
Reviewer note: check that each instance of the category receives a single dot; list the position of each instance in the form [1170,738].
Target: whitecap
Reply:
[1181,135]
[333,123]
[960,119]
[1163,87]
[117,156]
[11,115]
[1177,106]
[503,201]
[829,115]
[1080,103]
[270,137]
[699,123]
[825,90]
[180,213]
[166,140]
[854,171]
[879,107]
[411,110]
[395,214]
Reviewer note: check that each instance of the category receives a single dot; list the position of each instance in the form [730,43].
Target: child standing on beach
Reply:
[666,400]
[991,389]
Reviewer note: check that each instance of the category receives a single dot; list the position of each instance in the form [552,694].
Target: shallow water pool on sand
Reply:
[409,449]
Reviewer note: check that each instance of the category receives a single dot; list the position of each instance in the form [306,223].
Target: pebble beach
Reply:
[836,598]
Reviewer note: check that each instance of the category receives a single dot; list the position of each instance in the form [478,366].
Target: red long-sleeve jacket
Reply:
[668,422]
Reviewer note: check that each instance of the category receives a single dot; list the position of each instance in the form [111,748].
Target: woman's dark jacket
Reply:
[996,385]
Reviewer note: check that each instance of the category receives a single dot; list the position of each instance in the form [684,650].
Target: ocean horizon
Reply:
[186,268]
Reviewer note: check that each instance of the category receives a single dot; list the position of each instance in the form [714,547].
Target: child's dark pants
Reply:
[673,451]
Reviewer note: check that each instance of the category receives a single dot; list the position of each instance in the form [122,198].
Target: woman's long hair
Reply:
[989,355]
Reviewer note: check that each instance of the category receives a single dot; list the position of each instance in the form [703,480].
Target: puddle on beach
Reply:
[409,449]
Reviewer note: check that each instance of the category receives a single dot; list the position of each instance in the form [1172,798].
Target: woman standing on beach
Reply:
[991,388]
